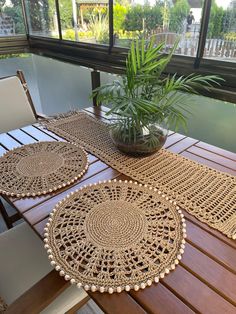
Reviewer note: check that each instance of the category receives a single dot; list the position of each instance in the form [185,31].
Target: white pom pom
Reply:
[136,287]
[110,290]
[149,282]
[143,285]
[156,279]
[127,288]
[86,287]
[93,288]
[102,289]
[118,289]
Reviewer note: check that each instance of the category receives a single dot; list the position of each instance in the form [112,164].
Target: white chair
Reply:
[24,262]
[16,106]
[16,110]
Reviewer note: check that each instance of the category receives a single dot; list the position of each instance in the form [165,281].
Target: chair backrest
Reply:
[16,107]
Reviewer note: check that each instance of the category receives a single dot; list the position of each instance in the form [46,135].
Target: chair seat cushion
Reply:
[24,262]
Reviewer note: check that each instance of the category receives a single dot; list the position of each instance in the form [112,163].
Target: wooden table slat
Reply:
[2,150]
[173,139]
[207,270]
[217,150]
[37,133]
[51,134]
[180,146]
[121,303]
[208,163]
[21,137]
[197,294]
[211,246]
[8,142]
[160,300]
[212,231]
[213,157]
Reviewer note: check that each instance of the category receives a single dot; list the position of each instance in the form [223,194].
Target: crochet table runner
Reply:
[207,194]
[115,236]
[41,168]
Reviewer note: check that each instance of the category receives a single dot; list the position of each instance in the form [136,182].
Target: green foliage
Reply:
[221,21]
[143,97]
[134,18]
[69,34]
[2,3]
[140,18]
[99,27]
[230,36]
[216,23]
[15,12]
[152,17]
[14,55]
[178,14]
[119,13]
[66,13]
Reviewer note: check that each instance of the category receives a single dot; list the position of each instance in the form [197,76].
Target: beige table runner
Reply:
[207,194]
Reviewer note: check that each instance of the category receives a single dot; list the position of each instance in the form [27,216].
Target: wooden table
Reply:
[205,280]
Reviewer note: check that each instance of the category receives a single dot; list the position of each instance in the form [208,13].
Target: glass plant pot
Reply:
[146,141]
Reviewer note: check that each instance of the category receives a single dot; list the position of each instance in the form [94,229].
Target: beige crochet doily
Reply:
[207,194]
[41,168]
[115,236]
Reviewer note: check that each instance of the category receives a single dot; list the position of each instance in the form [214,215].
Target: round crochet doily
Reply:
[41,168]
[115,236]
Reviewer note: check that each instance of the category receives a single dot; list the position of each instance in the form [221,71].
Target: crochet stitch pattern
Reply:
[115,236]
[207,194]
[41,168]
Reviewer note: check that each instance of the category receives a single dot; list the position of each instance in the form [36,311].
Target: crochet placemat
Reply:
[207,194]
[41,168]
[115,236]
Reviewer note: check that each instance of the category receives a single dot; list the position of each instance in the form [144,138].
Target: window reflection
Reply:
[42,18]
[85,21]
[11,18]
[162,20]
[221,35]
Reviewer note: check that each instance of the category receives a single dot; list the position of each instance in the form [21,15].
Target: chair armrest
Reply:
[40,295]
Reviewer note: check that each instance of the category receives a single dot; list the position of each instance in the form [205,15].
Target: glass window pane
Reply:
[221,35]
[85,20]
[11,18]
[42,18]
[163,20]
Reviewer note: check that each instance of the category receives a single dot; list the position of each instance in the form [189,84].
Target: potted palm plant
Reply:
[143,104]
